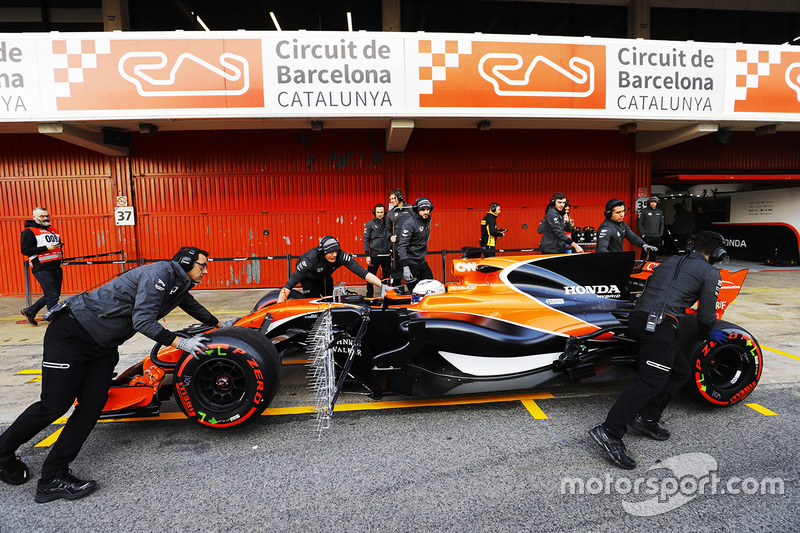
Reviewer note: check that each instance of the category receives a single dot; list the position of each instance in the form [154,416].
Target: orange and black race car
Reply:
[510,323]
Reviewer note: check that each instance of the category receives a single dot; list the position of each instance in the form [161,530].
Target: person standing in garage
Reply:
[80,353]
[42,244]
[613,230]
[489,230]
[413,244]
[399,212]
[378,245]
[651,227]
[554,239]
[677,284]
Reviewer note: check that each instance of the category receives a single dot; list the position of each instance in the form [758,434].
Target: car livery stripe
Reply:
[476,365]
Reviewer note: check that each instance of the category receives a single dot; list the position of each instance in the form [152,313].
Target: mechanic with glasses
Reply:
[81,351]
[675,285]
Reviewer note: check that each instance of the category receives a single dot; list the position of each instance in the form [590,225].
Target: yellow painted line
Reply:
[781,353]
[50,440]
[763,410]
[534,410]
[31,371]
[34,380]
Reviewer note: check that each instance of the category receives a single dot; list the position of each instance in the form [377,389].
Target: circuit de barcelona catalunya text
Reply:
[510,323]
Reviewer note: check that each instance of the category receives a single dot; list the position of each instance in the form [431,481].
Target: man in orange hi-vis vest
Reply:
[42,244]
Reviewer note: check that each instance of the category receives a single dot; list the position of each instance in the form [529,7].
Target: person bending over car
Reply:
[674,286]
[413,243]
[314,270]
[80,353]
[613,230]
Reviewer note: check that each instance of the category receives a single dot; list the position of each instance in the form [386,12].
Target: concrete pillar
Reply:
[390,11]
[639,19]
[116,15]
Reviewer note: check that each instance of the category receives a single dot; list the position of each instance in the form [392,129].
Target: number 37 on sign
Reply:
[123,216]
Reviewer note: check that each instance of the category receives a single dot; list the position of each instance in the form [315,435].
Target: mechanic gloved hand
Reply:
[649,248]
[718,336]
[194,345]
[384,289]
[227,323]
[407,274]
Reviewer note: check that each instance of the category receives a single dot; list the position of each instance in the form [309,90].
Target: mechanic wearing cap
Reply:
[554,239]
[651,227]
[675,285]
[42,244]
[378,245]
[399,212]
[80,353]
[489,230]
[314,270]
[413,244]
[613,230]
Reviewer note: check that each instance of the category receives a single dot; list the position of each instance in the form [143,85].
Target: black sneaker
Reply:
[29,317]
[614,448]
[649,428]
[13,471]
[64,485]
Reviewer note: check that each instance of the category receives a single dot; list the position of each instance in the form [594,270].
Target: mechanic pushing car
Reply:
[314,270]
[413,243]
[551,228]
[674,286]
[80,353]
[614,229]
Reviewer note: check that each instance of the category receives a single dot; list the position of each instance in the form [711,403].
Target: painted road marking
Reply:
[781,353]
[534,410]
[763,410]
[49,441]
[343,407]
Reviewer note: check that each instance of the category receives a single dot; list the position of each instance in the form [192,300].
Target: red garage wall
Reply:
[276,192]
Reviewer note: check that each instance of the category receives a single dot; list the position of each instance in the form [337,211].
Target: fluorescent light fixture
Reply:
[349,21]
[275,20]
[203,24]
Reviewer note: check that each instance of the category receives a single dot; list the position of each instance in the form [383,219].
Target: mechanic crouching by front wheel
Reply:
[413,243]
[80,353]
[674,286]
[314,270]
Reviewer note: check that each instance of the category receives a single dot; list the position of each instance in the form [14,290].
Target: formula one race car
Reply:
[510,323]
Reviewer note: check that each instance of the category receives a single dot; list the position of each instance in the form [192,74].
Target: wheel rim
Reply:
[220,384]
[727,368]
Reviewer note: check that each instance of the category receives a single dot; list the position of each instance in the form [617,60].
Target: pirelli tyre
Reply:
[721,374]
[272,296]
[232,383]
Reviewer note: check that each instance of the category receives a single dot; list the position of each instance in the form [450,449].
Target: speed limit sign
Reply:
[123,216]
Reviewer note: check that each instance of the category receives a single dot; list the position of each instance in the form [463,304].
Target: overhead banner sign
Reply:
[196,75]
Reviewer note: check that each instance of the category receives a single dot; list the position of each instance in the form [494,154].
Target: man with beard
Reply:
[42,244]
[378,245]
[413,243]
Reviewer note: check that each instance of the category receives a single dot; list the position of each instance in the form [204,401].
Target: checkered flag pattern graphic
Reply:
[750,66]
[436,56]
[71,57]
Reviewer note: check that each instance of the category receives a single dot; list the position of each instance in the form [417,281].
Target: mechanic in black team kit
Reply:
[399,212]
[551,228]
[413,243]
[674,286]
[378,245]
[489,230]
[613,230]
[314,270]
[80,353]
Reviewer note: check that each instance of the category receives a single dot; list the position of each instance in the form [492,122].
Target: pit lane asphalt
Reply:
[484,467]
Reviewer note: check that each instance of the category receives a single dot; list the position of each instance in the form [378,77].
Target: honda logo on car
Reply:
[609,291]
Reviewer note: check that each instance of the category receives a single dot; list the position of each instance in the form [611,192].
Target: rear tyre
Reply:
[272,296]
[721,374]
[232,383]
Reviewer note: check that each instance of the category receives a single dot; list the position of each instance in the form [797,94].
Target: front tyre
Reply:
[232,383]
[722,374]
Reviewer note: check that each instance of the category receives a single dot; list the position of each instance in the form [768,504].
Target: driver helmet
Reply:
[425,287]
